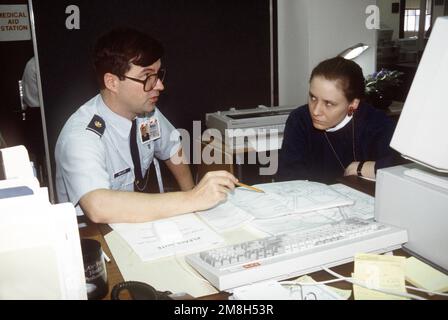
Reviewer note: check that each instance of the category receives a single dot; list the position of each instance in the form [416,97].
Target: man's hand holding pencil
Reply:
[213,189]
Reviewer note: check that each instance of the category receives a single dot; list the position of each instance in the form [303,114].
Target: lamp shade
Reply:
[354,51]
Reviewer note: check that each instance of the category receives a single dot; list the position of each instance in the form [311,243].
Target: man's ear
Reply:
[354,104]
[111,82]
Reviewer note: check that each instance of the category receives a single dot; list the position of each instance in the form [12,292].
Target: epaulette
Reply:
[97,125]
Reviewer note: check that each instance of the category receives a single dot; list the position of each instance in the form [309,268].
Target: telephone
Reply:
[139,291]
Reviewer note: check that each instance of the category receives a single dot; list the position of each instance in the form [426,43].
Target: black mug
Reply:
[94,269]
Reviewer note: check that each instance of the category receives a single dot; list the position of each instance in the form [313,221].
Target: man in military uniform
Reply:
[101,155]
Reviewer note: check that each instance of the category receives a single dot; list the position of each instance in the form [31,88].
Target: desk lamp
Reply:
[354,51]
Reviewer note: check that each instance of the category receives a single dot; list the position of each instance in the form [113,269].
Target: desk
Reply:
[114,276]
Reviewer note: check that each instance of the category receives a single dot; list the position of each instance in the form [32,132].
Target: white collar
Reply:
[341,124]
[121,124]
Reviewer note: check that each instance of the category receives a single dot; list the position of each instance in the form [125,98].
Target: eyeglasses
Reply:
[151,80]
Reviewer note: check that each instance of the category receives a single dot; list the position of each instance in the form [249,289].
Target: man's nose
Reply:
[159,85]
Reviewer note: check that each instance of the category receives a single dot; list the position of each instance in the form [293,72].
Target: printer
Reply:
[261,117]
[250,123]
[40,249]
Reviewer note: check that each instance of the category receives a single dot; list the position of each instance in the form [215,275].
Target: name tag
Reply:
[122,172]
[149,130]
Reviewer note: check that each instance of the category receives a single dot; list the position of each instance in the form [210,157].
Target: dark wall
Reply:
[13,58]
[217,54]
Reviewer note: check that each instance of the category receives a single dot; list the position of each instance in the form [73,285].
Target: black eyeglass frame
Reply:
[161,72]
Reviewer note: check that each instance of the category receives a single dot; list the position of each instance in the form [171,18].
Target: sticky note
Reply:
[379,271]
[424,276]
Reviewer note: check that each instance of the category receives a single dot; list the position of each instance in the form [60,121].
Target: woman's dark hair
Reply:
[347,73]
[115,50]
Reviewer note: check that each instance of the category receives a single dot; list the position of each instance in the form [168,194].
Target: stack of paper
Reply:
[364,206]
[279,209]
[143,238]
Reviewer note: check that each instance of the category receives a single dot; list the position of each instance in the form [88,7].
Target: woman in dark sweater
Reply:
[336,134]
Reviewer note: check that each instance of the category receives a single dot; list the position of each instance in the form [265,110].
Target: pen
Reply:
[249,187]
[106,257]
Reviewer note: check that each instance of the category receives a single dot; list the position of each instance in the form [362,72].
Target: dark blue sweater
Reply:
[307,155]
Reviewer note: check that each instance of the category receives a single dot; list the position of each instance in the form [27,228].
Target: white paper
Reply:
[259,205]
[170,273]
[298,222]
[196,236]
[225,217]
[283,198]
[268,290]
[167,231]
[364,207]
[279,199]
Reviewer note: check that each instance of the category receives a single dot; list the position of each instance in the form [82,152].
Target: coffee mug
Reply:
[94,269]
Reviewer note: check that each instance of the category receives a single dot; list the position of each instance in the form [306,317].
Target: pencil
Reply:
[249,187]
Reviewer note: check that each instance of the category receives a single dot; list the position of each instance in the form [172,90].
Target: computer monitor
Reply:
[415,196]
[421,133]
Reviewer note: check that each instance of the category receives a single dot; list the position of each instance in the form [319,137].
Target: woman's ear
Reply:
[111,81]
[352,107]
[354,104]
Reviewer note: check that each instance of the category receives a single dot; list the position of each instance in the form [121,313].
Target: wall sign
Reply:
[14,23]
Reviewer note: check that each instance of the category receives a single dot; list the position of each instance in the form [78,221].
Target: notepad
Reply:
[424,276]
[379,271]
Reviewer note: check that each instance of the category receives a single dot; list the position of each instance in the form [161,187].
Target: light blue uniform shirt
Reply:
[93,152]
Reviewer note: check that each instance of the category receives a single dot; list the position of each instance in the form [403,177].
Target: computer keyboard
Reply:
[289,255]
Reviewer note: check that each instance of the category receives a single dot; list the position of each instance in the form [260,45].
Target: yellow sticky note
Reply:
[424,276]
[379,271]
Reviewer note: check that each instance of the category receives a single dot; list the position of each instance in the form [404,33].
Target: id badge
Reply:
[149,130]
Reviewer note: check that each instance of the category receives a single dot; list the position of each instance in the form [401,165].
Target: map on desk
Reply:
[233,225]
[279,200]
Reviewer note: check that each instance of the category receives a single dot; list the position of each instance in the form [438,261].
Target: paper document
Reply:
[328,292]
[268,290]
[143,239]
[279,200]
[170,273]
[364,205]
[259,205]
[298,222]
[303,290]
[284,198]
[225,217]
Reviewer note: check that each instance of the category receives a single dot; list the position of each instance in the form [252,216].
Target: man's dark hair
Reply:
[115,50]
[347,73]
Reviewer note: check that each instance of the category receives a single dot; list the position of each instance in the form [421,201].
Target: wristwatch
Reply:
[359,169]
